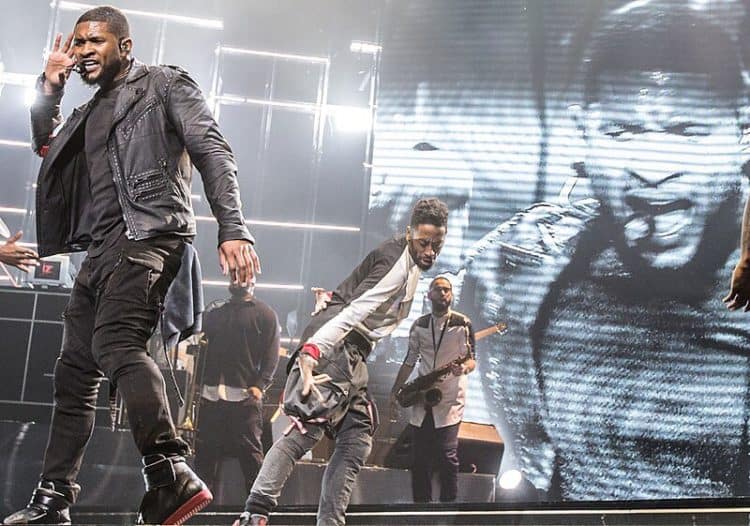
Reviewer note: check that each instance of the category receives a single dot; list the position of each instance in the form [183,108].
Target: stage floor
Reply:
[666,513]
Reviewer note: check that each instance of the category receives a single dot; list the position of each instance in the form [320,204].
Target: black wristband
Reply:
[40,85]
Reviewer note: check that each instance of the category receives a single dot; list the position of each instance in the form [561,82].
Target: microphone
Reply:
[79,68]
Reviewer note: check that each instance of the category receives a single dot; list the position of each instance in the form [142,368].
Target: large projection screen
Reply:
[593,157]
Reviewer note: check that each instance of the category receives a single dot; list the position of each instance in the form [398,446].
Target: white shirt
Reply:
[433,345]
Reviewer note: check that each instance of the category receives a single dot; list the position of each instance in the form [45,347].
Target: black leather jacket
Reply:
[161,123]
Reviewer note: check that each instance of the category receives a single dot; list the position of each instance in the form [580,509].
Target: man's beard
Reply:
[440,306]
[107,76]
[719,239]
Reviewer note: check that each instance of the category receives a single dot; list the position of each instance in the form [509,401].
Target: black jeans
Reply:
[229,429]
[434,446]
[113,310]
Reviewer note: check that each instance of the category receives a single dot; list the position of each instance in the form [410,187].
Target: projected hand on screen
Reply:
[739,294]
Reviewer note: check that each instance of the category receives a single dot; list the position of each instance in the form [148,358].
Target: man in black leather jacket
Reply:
[115,181]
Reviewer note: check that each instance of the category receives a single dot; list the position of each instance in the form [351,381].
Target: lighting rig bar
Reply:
[208,23]
[26,80]
[15,144]
[274,286]
[290,224]
[229,50]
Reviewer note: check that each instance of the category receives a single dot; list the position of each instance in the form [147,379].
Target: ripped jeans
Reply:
[353,442]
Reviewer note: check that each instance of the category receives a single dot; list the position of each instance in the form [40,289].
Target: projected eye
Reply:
[620,135]
[688,129]
[622,132]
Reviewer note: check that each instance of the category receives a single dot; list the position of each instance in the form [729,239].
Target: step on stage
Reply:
[643,513]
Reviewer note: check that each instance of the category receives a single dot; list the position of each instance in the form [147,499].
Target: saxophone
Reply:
[188,428]
[422,389]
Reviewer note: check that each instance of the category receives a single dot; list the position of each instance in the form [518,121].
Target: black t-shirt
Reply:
[104,212]
[243,344]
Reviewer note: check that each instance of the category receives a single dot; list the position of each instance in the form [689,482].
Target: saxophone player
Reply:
[435,340]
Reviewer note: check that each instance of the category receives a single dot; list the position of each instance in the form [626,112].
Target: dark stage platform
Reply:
[664,513]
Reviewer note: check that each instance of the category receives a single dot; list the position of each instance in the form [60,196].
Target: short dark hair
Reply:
[663,36]
[238,291]
[438,278]
[117,22]
[429,211]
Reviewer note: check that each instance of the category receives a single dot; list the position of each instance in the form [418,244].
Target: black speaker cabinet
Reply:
[480,448]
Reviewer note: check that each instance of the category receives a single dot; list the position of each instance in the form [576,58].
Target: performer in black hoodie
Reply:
[241,357]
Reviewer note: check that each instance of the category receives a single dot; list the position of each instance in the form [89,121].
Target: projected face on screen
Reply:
[663,155]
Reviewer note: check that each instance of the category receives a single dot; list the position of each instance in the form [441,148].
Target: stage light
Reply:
[351,118]
[307,226]
[15,144]
[29,96]
[290,224]
[228,50]
[229,99]
[510,479]
[24,80]
[208,23]
[274,286]
[12,210]
[17,79]
[368,48]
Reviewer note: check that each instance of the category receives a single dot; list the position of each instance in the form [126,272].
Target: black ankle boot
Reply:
[46,506]
[173,492]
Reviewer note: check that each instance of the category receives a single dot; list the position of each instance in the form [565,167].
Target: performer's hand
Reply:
[469,366]
[310,380]
[322,297]
[237,258]
[14,254]
[60,63]
[739,294]
[393,406]
[256,393]
[463,368]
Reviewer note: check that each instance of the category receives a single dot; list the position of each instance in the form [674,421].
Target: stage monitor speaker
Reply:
[480,449]
[322,451]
